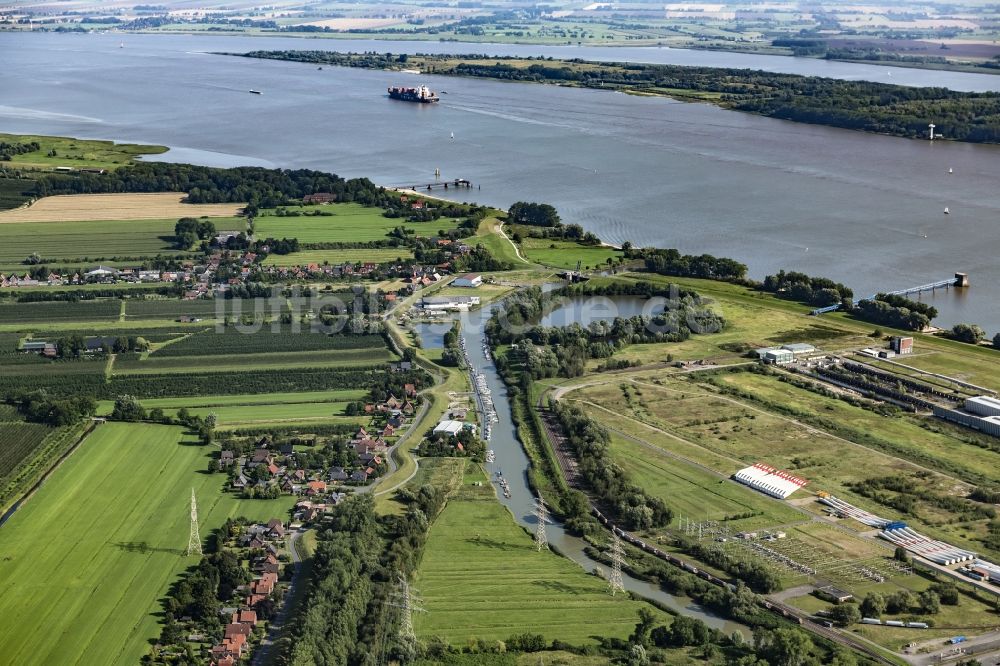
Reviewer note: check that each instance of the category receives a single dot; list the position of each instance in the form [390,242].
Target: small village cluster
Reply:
[264,544]
[220,271]
[276,469]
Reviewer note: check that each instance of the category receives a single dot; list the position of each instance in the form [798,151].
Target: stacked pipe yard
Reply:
[901,535]
[769,480]
[930,549]
[851,511]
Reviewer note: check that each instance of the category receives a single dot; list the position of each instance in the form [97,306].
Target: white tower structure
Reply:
[931,126]
[194,538]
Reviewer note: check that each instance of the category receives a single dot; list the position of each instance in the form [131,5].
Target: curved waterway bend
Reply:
[513,462]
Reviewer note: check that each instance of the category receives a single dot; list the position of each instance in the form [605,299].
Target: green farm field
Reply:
[354,255]
[74,241]
[339,358]
[350,223]
[482,577]
[565,254]
[47,313]
[105,406]
[277,414]
[102,541]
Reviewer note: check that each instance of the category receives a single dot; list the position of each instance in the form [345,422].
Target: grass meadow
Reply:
[375,255]
[78,152]
[350,223]
[565,254]
[95,238]
[482,577]
[102,541]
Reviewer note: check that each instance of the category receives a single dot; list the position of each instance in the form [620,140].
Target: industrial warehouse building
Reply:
[981,413]
[448,302]
[983,405]
[785,353]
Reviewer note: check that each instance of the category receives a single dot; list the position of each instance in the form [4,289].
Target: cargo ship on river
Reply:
[422,94]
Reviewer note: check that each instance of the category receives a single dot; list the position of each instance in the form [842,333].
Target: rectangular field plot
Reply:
[339,358]
[482,577]
[93,238]
[89,556]
[695,493]
[256,381]
[84,207]
[350,223]
[265,340]
[378,255]
[170,308]
[349,395]
[45,313]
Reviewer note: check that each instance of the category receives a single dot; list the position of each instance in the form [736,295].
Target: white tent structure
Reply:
[769,480]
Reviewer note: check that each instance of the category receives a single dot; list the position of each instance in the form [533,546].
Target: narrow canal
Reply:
[513,463]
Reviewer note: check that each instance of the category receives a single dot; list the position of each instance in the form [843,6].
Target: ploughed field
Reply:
[101,542]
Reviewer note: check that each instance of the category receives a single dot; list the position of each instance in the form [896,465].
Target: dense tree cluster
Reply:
[564,350]
[881,312]
[533,214]
[672,262]
[610,484]
[8,149]
[189,231]
[40,406]
[262,188]
[818,291]
[970,333]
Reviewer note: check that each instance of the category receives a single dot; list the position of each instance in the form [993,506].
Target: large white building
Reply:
[448,302]
[769,480]
[983,405]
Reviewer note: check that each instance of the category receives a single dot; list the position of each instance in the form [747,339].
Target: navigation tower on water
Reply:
[194,538]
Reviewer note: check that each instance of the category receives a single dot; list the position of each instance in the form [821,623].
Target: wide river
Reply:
[863,209]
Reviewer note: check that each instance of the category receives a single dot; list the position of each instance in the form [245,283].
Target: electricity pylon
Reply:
[194,538]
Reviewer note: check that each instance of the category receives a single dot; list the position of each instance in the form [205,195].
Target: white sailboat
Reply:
[946,211]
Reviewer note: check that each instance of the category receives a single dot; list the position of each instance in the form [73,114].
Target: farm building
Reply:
[769,480]
[468,280]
